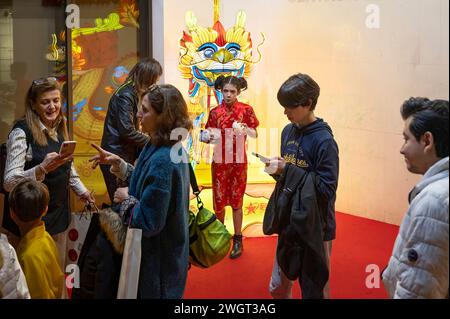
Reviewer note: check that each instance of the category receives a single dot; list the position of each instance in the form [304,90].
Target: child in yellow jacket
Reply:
[37,251]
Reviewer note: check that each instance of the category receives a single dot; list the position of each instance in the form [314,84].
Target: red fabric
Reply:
[229,183]
[229,171]
[221,34]
[360,242]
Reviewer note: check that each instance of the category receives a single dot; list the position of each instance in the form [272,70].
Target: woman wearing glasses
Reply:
[33,152]
[158,195]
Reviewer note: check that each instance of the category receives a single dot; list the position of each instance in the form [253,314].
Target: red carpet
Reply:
[360,242]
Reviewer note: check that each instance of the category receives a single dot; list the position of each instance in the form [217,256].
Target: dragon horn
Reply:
[191,21]
[240,20]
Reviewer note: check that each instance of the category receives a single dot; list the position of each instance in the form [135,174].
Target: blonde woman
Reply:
[33,152]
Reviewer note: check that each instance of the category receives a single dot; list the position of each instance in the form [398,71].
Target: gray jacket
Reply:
[13,284]
[418,267]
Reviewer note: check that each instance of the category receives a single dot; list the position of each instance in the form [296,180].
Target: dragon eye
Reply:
[208,53]
[234,52]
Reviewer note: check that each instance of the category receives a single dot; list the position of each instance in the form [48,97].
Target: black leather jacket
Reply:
[120,133]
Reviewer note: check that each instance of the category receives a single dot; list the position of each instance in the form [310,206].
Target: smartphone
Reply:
[67,148]
[262,158]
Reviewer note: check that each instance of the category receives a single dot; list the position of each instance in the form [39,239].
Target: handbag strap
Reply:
[194,186]
[193,180]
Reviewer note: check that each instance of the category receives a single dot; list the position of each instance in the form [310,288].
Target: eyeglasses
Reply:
[45,80]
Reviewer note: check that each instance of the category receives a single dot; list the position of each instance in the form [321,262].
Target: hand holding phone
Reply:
[67,149]
[54,160]
[275,166]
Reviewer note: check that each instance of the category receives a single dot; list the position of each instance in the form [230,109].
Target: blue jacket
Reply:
[162,189]
[314,149]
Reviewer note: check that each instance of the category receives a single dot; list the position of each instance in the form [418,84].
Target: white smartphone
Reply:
[262,158]
[67,148]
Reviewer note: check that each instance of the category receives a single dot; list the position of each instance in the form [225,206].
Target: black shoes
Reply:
[237,247]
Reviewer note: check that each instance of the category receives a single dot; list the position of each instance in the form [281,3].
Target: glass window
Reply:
[33,44]
[104,49]
[26,29]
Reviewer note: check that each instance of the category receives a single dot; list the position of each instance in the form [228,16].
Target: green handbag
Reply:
[209,239]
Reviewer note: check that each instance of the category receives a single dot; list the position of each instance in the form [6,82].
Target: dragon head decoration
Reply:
[207,53]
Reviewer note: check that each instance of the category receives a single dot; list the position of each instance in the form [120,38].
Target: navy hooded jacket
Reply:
[314,149]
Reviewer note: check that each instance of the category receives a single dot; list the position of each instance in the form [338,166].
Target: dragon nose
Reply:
[223,56]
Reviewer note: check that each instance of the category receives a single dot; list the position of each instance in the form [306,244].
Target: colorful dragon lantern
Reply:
[205,54]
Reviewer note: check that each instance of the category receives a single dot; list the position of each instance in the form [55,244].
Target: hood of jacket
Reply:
[314,127]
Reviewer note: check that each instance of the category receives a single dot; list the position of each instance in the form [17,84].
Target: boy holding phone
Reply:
[307,143]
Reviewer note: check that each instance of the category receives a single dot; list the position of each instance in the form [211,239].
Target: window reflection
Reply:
[104,50]
[32,45]
[26,27]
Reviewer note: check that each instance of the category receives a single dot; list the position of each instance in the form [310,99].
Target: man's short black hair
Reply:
[429,116]
[299,90]
[29,199]
[439,106]
[413,105]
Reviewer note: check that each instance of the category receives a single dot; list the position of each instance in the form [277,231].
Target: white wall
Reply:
[365,74]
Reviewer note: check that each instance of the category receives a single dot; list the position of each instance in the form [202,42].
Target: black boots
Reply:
[237,247]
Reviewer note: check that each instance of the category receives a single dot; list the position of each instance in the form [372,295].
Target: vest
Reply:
[57,218]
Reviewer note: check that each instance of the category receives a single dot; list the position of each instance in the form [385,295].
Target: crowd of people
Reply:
[150,191]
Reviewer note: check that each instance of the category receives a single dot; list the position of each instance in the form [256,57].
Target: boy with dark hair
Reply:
[419,264]
[308,145]
[37,252]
